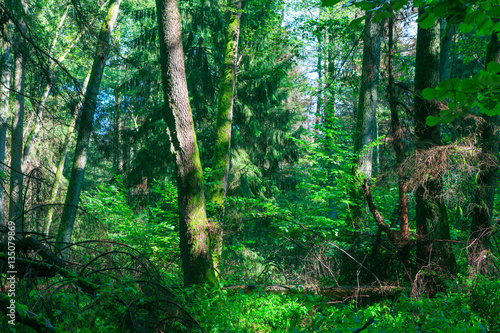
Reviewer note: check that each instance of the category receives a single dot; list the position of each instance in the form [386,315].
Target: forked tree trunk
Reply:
[86,124]
[197,265]
[482,212]
[366,116]
[431,217]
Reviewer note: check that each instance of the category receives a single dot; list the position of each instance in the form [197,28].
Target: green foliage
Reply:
[457,311]
[467,95]
[152,231]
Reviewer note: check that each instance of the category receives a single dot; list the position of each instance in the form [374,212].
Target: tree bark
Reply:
[86,124]
[194,232]
[366,116]
[431,217]
[484,198]
[16,176]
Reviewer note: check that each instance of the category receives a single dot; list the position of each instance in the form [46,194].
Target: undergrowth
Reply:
[464,309]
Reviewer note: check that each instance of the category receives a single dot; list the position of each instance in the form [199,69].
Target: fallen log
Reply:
[339,293]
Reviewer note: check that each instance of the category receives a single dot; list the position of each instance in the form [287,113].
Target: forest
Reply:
[249,166]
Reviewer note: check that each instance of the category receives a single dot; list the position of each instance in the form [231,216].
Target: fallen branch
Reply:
[332,291]
[376,214]
[50,270]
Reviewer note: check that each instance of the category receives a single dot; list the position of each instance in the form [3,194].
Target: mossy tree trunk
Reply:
[222,152]
[366,117]
[433,251]
[484,198]
[197,265]
[85,128]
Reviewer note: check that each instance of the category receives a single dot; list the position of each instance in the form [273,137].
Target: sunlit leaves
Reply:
[479,92]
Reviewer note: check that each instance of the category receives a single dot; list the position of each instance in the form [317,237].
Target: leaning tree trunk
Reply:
[16,176]
[85,127]
[366,117]
[194,232]
[482,212]
[62,159]
[431,218]
[6,62]
[222,152]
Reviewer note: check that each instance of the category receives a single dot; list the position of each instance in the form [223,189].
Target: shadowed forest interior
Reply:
[249,166]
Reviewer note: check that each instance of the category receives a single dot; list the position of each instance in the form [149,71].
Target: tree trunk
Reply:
[366,116]
[16,176]
[194,232]
[431,218]
[85,128]
[222,152]
[317,118]
[62,160]
[6,61]
[447,34]
[397,139]
[482,212]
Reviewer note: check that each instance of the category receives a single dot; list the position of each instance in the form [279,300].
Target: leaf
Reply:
[329,3]
[380,16]
[465,27]
[448,119]
[426,20]
[429,93]
[356,22]
[493,67]
[432,121]
[398,4]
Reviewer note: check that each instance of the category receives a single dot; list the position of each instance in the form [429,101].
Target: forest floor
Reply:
[465,308]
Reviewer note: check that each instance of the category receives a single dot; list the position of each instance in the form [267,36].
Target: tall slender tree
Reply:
[85,127]
[222,152]
[366,117]
[18,85]
[397,136]
[6,65]
[194,232]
